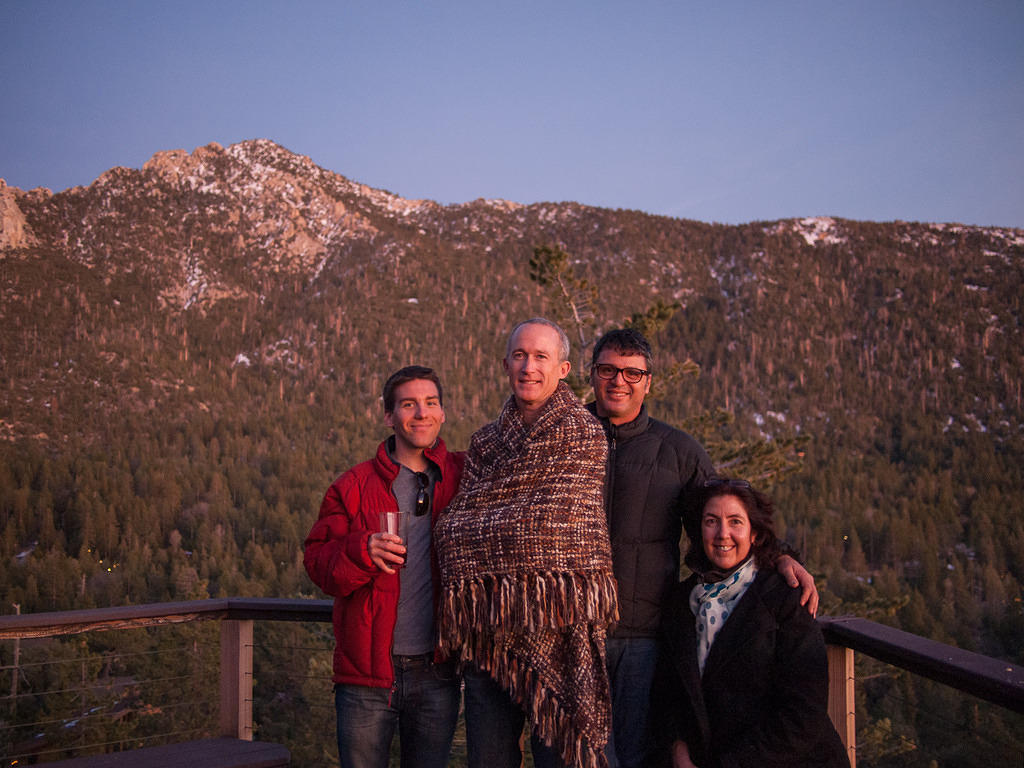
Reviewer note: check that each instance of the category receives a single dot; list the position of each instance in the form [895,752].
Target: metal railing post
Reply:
[841,701]
[236,678]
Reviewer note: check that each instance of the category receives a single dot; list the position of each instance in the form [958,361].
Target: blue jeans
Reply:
[423,704]
[494,727]
[631,662]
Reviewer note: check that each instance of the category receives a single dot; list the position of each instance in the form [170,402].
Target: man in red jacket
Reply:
[387,672]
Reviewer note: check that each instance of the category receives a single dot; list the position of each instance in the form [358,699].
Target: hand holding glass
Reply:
[393,522]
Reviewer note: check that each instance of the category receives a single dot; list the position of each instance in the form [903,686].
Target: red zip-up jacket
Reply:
[337,560]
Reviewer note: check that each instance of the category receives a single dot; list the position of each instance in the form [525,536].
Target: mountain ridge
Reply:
[233,224]
[244,296]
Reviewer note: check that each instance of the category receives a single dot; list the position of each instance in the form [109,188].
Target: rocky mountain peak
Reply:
[15,232]
[172,166]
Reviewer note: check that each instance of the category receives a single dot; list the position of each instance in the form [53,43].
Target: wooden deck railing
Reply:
[990,679]
[236,616]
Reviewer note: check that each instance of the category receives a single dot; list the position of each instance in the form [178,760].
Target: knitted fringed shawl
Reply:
[526,570]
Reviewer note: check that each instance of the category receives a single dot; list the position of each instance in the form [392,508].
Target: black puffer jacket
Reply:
[652,469]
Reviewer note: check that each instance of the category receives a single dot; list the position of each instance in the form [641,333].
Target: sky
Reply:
[718,111]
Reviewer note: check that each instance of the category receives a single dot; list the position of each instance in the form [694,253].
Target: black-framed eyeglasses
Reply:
[629,375]
[728,482]
[423,497]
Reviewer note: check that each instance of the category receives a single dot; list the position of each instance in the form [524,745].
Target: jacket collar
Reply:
[388,469]
[619,432]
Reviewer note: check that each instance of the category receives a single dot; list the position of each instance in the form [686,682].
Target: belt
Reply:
[419,660]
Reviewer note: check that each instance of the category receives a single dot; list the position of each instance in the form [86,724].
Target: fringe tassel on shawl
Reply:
[527,601]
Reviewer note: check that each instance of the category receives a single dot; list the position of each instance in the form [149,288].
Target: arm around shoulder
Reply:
[796,575]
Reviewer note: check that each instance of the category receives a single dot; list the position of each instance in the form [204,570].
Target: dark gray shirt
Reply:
[414,630]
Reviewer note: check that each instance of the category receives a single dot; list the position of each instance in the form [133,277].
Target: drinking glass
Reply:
[393,522]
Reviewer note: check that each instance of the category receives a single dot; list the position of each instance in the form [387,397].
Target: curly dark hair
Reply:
[766,547]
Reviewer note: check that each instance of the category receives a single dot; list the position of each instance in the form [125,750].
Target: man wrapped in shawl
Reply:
[526,568]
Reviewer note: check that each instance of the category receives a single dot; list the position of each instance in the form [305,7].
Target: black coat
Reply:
[654,470]
[763,698]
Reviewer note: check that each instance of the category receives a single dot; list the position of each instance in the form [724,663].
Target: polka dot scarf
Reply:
[712,604]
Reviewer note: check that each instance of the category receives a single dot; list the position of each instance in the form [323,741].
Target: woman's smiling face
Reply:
[726,532]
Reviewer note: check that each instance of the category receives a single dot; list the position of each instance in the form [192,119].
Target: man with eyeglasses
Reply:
[388,673]
[653,471]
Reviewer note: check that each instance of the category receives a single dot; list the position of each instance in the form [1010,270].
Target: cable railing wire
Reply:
[100,687]
[101,703]
[106,656]
[35,724]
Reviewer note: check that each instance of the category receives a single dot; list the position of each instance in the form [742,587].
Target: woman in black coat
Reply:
[742,677]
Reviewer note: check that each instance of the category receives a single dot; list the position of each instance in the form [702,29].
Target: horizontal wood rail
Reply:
[155,614]
[996,681]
